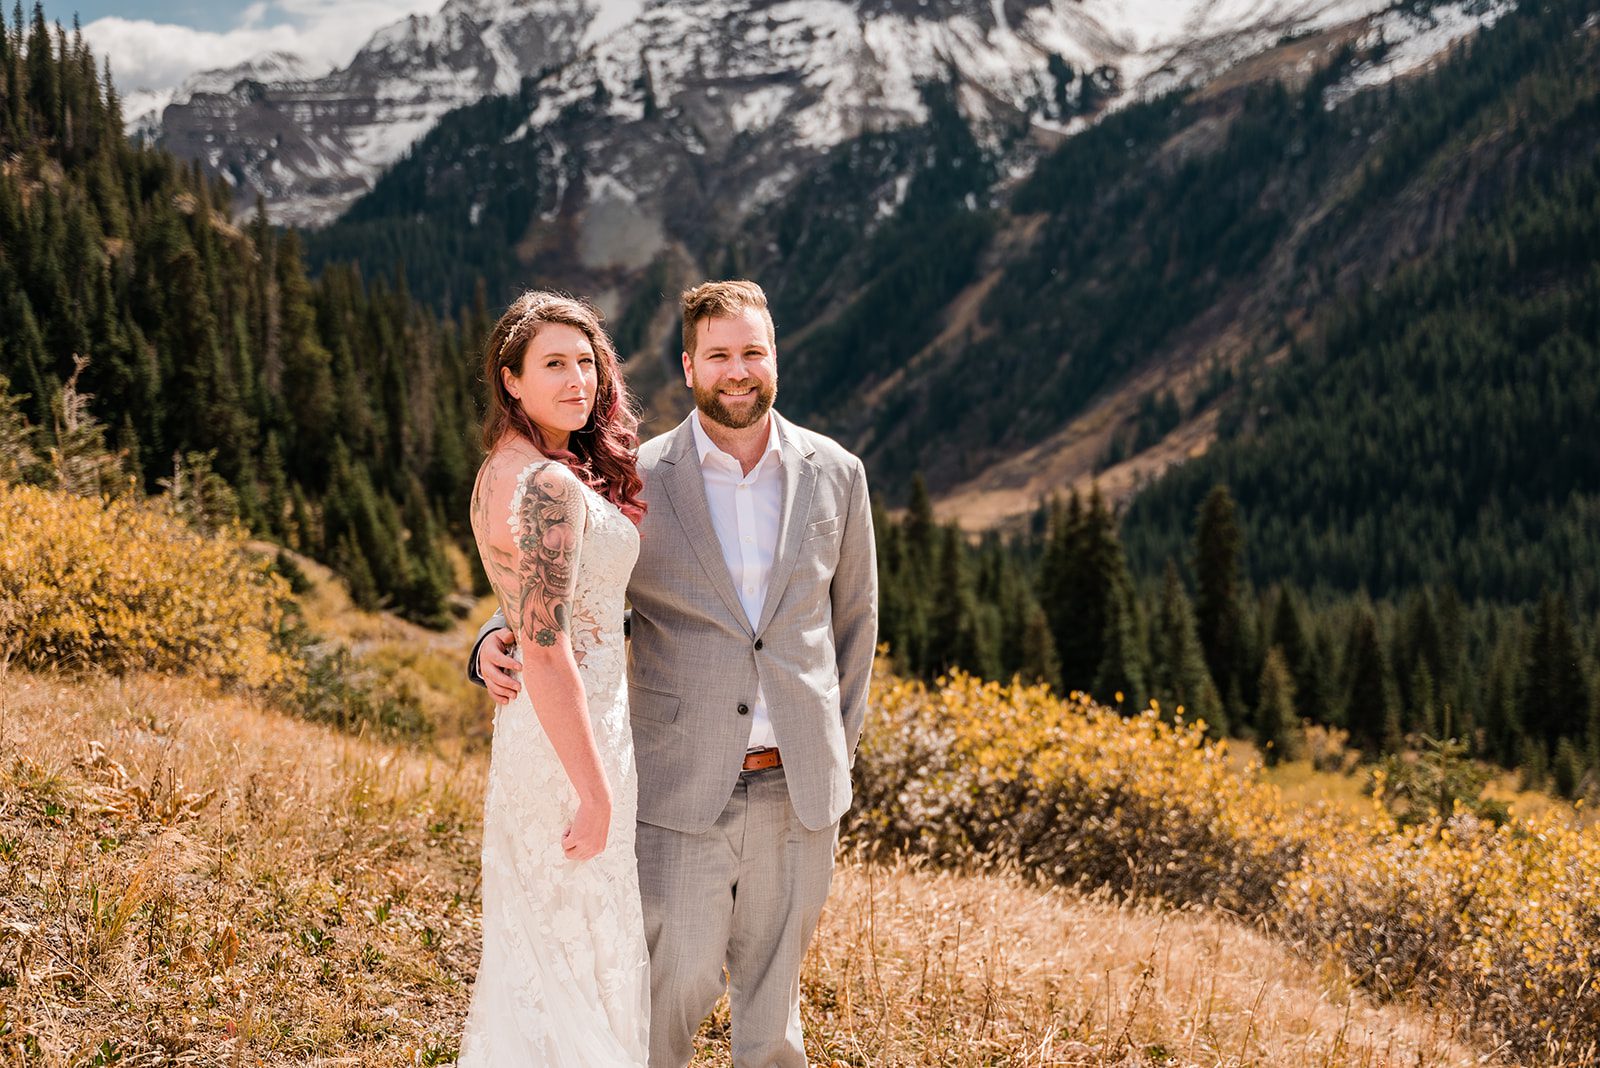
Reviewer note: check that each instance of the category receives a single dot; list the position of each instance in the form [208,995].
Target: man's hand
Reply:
[500,670]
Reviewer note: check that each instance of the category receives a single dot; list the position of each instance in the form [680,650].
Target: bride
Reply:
[564,979]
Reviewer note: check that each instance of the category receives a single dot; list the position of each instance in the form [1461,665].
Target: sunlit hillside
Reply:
[198,878]
[225,867]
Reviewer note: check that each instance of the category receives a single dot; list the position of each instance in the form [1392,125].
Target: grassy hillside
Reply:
[218,868]
[194,877]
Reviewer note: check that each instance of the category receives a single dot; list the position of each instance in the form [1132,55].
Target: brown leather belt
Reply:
[762,759]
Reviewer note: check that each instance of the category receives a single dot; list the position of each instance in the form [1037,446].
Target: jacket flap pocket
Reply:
[653,704]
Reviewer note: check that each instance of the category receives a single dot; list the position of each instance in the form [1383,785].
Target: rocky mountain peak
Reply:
[312,144]
[774,80]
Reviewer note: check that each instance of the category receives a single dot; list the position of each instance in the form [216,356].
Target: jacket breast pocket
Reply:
[654,705]
[822,527]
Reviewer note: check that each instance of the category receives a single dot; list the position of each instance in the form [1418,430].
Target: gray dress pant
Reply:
[746,894]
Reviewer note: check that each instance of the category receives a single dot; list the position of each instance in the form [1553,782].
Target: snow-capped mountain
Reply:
[311,144]
[750,86]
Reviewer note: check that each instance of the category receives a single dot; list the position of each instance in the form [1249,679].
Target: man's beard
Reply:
[709,401]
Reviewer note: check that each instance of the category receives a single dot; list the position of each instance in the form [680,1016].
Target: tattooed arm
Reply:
[544,557]
[551,519]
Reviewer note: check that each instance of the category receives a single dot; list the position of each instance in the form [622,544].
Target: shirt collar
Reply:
[705,447]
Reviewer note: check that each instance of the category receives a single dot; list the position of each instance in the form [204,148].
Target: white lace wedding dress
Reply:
[564,980]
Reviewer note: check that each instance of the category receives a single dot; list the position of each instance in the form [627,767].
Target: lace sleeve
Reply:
[548,519]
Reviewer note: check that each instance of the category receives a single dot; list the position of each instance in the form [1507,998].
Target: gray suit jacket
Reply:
[695,660]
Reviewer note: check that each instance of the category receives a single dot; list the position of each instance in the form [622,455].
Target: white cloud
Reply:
[254,15]
[325,33]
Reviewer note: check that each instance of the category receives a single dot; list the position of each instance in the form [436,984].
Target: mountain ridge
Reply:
[311,145]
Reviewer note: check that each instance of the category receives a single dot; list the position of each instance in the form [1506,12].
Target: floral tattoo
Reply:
[550,520]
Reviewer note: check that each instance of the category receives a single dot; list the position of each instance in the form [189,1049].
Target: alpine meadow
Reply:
[1225,377]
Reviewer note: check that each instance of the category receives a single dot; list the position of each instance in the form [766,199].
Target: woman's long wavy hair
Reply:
[603,453]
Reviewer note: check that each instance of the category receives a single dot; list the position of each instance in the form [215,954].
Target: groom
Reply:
[754,625]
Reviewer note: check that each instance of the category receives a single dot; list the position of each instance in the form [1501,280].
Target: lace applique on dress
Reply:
[564,979]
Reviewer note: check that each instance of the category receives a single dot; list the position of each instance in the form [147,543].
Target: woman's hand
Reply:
[586,838]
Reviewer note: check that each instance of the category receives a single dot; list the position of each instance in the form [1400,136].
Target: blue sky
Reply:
[218,15]
[156,44]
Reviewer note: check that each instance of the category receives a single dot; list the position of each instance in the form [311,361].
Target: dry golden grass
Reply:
[192,878]
[189,877]
[1492,923]
[922,967]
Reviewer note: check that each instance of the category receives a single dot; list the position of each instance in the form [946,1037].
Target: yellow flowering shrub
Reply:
[119,585]
[977,769]
[1502,923]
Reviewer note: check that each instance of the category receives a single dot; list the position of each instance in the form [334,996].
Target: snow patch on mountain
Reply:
[312,141]
[269,68]
[1406,41]
[760,107]
[141,112]
[795,76]
[611,16]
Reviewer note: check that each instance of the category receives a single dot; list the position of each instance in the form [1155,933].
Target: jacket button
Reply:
[758,644]
[744,709]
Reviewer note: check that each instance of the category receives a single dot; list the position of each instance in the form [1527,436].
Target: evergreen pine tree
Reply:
[428,588]
[1421,705]
[1568,768]
[1217,548]
[307,375]
[1534,763]
[196,494]
[1324,702]
[957,638]
[1371,716]
[921,530]
[1502,727]
[305,533]
[1039,660]
[44,89]
[17,457]
[128,448]
[1555,696]
[1182,679]
[1288,633]
[1051,585]
[1082,565]
[275,503]
[1420,641]
[1122,669]
[352,564]
[1275,715]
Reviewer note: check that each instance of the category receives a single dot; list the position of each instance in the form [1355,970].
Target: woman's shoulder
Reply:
[508,476]
[551,478]
[513,467]
[547,492]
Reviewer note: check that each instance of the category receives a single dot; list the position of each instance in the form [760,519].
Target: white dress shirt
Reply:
[745,512]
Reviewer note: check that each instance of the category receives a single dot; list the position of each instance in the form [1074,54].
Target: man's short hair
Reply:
[722,300]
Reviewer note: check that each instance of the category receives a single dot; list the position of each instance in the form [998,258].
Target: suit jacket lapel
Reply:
[686,490]
[799,484]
